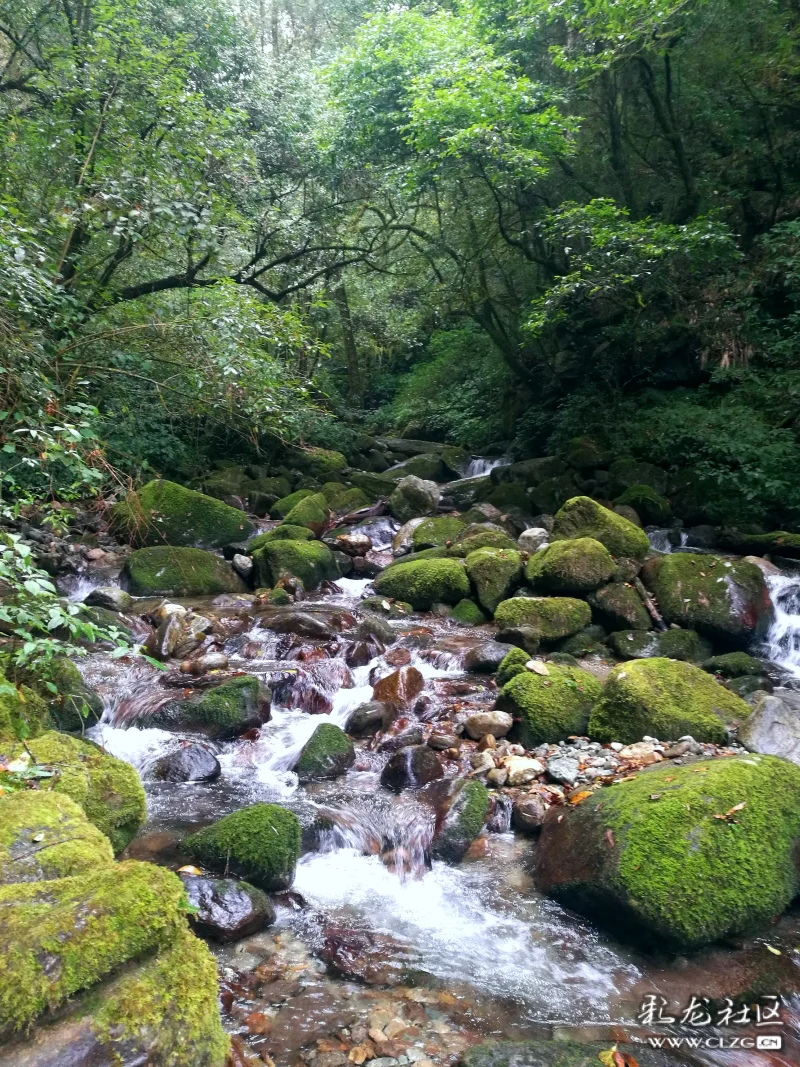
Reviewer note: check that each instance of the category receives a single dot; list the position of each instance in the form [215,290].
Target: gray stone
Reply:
[773,728]
[243,565]
[486,657]
[412,497]
[563,769]
[227,910]
[496,723]
[111,597]
[533,539]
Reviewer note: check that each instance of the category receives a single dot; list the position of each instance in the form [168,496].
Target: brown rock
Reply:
[400,687]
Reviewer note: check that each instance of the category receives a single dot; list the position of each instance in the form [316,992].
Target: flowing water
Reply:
[479,465]
[479,926]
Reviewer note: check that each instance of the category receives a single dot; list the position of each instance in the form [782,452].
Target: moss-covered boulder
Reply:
[727,600]
[45,835]
[549,707]
[311,512]
[327,754]
[479,535]
[619,607]
[776,543]
[108,790]
[436,532]
[467,613]
[671,644]
[61,936]
[23,713]
[495,573]
[588,642]
[508,495]
[281,508]
[319,463]
[583,517]
[626,472]
[666,699]
[387,607]
[179,572]
[75,705]
[512,665]
[228,709]
[310,561]
[465,817]
[552,493]
[284,532]
[646,502]
[376,486]
[425,582]
[585,453]
[734,665]
[344,500]
[681,855]
[549,618]
[575,566]
[429,466]
[412,497]
[165,513]
[260,844]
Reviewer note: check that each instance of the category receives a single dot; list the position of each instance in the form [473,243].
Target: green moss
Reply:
[75,705]
[583,517]
[473,537]
[509,495]
[570,566]
[672,644]
[734,665]
[260,844]
[551,618]
[45,835]
[435,533]
[626,473]
[550,494]
[327,754]
[684,875]
[424,582]
[777,543]
[346,500]
[108,790]
[725,599]
[310,561]
[585,643]
[281,508]
[665,699]
[495,573]
[164,512]
[454,458]
[277,597]
[388,606]
[320,462]
[376,486]
[426,466]
[620,607]
[549,707]
[61,936]
[585,453]
[23,713]
[311,511]
[179,572]
[467,613]
[512,665]
[284,532]
[228,706]
[463,822]
[157,1008]
[646,502]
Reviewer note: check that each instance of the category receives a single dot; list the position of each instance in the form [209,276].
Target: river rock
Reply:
[400,687]
[243,565]
[563,769]
[411,768]
[425,582]
[583,517]
[465,813]
[497,723]
[375,959]
[412,497]
[727,600]
[369,718]
[773,727]
[528,813]
[575,566]
[227,910]
[353,544]
[166,571]
[165,513]
[551,704]
[190,763]
[111,597]
[260,843]
[301,623]
[680,856]
[533,539]
[486,657]
[522,770]
[327,754]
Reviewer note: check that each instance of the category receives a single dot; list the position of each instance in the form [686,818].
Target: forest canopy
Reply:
[227,227]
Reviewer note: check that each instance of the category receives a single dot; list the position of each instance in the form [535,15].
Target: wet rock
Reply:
[414,735]
[486,657]
[522,769]
[412,497]
[353,544]
[497,723]
[260,843]
[327,754]
[214,661]
[481,762]
[441,741]
[359,653]
[400,687]
[190,763]
[464,818]
[314,686]
[528,813]
[163,642]
[369,718]
[773,727]
[111,597]
[227,910]
[411,768]
[403,540]
[369,957]
[398,657]
[563,769]
[301,623]
[193,634]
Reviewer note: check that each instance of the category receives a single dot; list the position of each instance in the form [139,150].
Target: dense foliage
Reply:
[226,227]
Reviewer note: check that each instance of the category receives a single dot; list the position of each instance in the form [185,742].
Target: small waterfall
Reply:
[479,465]
[782,643]
[661,540]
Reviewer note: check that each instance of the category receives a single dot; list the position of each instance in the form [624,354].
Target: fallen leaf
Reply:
[610,838]
[189,869]
[774,951]
[655,796]
[537,667]
[576,798]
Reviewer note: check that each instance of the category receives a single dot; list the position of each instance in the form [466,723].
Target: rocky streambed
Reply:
[385,762]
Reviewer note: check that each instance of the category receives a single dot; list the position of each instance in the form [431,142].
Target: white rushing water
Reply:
[479,465]
[782,643]
[660,542]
